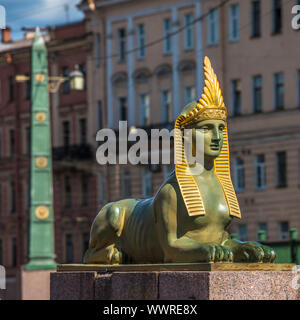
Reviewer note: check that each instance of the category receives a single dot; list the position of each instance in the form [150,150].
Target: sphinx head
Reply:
[210,131]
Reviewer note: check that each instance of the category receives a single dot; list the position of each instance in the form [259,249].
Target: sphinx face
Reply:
[212,134]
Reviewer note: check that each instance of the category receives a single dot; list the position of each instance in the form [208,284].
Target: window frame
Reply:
[234,22]
[167,42]
[188,36]
[141,41]
[213,24]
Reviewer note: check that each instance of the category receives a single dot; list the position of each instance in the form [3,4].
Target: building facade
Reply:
[147,64]
[74,184]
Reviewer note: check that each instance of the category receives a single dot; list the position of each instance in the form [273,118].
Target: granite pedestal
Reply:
[176,282]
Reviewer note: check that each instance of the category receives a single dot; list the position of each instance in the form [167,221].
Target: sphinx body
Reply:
[158,230]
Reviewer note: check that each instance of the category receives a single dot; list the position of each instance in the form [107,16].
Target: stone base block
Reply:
[35,285]
[174,285]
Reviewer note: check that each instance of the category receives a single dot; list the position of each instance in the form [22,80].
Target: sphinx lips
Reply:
[214,146]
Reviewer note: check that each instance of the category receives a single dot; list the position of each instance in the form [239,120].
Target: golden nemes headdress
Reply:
[210,106]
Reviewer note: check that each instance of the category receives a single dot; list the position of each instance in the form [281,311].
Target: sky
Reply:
[33,13]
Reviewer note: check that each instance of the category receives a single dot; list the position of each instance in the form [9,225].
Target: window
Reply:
[122,45]
[242,232]
[234,22]
[212,27]
[1,252]
[69,248]
[14,252]
[277,16]
[188,32]
[122,102]
[28,87]
[144,109]
[68,192]
[236,97]
[167,44]
[66,84]
[283,230]
[166,106]
[278,91]
[255,19]
[298,85]
[98,49]
[100,115]
[263,227]
[167,169]
[126,184]
[12,142]
[12,198]
[11,93]
[239,175]
[141,52]
[189,94]
[102,195]
[257,93]
[85,242]
[299,168]
[84,190]
[28,139]
[281,169]
[260,172]
[82,126]
[0,201]
[66,134]
[147,183]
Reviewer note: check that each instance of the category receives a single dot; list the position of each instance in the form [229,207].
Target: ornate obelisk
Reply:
[41,230]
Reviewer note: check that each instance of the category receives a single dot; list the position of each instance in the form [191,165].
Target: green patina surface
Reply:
[41,235]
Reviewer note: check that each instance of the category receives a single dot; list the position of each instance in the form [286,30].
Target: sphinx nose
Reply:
[216,135]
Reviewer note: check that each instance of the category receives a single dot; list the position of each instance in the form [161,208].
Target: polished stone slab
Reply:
[177,267]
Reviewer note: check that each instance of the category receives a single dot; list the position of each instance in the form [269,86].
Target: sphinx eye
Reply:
[221,128]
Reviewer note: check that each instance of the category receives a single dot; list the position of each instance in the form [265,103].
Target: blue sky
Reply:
[32,13]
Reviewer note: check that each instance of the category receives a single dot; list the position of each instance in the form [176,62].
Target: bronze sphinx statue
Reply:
[187,220]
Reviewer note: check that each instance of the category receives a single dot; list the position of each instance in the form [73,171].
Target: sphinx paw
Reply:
[218,253]
[254,252]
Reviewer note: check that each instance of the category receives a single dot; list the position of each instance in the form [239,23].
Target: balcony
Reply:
[73,152]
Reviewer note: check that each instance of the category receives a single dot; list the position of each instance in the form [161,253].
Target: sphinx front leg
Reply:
[108,255]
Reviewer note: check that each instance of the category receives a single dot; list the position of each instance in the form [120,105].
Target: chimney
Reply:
[6,35]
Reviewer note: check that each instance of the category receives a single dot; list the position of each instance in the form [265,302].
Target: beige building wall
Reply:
[251,133]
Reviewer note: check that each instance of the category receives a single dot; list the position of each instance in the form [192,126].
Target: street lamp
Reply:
[76,79]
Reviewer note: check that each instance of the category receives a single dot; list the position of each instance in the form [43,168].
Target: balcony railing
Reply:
[72,152]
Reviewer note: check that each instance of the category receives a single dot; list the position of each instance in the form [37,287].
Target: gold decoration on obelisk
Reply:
[41,162]
[42,212]
[40,117]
